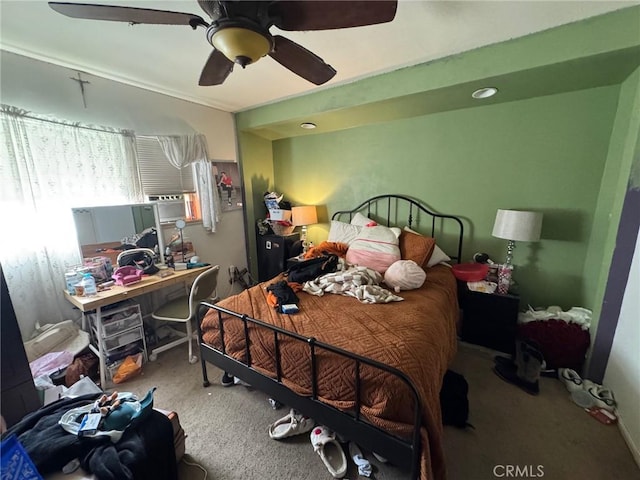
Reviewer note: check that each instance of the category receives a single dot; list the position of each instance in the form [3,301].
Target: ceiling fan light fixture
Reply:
[241,45]
[484,92]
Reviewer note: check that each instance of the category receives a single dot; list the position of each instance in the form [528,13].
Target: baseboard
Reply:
[633,448]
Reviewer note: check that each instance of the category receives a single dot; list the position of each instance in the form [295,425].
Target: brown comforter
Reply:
[417,336]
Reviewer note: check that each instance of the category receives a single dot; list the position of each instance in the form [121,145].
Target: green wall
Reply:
[544,154]
[559,137]
[257,174]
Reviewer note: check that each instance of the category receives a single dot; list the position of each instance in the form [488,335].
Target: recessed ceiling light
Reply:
[485,92]
[308,125]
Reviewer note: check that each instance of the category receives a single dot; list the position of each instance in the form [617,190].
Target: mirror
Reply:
[102,231]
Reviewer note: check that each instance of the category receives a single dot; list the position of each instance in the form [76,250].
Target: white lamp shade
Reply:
[518,225]
[305,215]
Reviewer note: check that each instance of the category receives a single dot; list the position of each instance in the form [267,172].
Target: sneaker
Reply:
[571,379]
[237,381]
[291,424]
[602,397]
[227,380]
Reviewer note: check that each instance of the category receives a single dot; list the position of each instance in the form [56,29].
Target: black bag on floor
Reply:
[454,402]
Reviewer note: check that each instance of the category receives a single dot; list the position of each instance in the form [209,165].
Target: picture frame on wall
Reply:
[228,184]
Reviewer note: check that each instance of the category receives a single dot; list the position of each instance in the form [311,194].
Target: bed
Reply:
[371,372]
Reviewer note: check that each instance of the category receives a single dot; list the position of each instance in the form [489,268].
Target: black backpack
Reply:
[312,268]
[453,400]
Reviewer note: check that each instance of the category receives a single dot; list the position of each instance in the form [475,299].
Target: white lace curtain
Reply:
[184,150]
[46,168]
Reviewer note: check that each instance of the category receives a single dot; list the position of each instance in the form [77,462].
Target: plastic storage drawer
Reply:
[118,320]
[123,339]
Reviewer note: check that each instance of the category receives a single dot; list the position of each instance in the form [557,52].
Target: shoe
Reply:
[602,397]
[227,380]
[524,371]
[291,424]
[544,371]
[509,373]
[364,466]
[325,444]
[237,381]
[571,379]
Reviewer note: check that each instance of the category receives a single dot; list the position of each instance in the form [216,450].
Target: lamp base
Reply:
[303,239]
[504,278]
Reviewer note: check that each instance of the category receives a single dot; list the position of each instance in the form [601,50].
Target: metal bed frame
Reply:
[403,452]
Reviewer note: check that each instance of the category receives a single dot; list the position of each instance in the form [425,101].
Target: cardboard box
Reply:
[276,214]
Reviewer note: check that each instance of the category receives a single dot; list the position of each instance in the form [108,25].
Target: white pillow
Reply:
[375,247]
[404,275]
[438,256]
[361,220]
[343,232]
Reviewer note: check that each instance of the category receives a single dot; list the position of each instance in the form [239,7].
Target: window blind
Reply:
[157,175]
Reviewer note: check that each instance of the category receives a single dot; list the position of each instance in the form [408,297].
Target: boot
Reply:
[524,372]
[510,360]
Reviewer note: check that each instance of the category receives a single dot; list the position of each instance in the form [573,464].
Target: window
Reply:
[161,179]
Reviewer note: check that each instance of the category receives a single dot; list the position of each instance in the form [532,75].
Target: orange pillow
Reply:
[416,247]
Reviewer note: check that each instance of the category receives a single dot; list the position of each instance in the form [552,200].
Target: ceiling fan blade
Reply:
[216,70]
[301,61]
[127,14]
[326,15]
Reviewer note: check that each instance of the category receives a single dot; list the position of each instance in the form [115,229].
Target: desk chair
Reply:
[184,309]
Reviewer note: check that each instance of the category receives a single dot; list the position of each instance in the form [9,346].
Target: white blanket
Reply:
[359,282]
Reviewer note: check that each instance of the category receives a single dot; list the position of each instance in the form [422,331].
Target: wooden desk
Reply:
[117,294]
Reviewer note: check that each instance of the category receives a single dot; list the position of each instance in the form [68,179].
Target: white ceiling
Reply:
[169,59]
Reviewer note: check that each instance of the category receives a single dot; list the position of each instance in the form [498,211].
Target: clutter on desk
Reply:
[180,248]
[86,287]
[99,270]
[141,258]
[191,265]
[99,267]
[127,275]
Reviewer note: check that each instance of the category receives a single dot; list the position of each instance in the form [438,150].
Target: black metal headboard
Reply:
[400,210]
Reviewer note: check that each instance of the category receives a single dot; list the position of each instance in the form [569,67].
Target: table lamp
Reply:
[301,217]
[514,225]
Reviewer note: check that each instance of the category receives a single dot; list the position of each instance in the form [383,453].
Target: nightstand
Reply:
[273,252]
[489,319]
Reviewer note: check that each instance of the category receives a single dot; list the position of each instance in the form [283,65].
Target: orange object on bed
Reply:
[416,336]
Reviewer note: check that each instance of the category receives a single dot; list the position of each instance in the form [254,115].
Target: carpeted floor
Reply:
[544,436]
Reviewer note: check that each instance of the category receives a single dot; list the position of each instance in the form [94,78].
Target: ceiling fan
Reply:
[239,30]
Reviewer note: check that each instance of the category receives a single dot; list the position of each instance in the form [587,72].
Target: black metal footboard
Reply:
[402,452]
